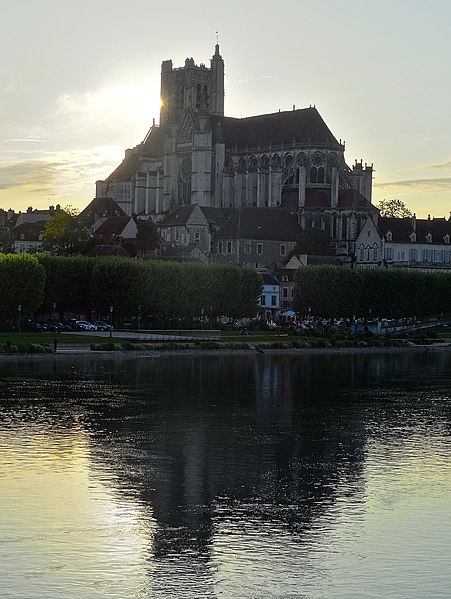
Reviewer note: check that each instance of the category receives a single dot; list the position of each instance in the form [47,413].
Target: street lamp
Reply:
[53,317]
[19,309]
[309,312]
[111,321]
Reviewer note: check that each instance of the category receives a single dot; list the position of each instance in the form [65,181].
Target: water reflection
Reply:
[220,476]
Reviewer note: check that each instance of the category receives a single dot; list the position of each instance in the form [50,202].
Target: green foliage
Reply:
[120,283]
[333,291]
[147,237]
[64,234]
[314,241]
[22,283]
[68,283]
[394,208]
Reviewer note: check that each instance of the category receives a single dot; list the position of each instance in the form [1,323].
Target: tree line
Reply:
[331,291]
[83,285]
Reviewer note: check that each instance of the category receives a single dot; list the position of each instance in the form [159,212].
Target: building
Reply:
[258,237]
[27,228]
[199,156]
[422,244]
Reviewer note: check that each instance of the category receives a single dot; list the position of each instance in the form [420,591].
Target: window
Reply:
[229,247]
[196,237]
[247,247]
[375,252]
[259,249]
[413,255]
[361,253]
[220,247]
[446,238]
[273,300]
[389,253]
[283,249]
[262,300]
[429,238]
[389,236]
[285,292]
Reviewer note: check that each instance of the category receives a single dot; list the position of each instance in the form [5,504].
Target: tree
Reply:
[394,208]
[314,241]
[64,234]
[147,237]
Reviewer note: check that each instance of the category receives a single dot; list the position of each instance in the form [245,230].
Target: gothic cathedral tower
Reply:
[192,86]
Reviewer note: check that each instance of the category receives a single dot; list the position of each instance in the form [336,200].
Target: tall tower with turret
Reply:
[191,86]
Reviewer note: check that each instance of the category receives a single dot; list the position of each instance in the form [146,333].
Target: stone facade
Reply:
[199,156]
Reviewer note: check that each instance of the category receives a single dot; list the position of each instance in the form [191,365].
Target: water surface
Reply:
[243,476]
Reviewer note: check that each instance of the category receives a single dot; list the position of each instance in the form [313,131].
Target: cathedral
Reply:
[199,156]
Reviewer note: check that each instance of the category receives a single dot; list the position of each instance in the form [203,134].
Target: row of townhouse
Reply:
[414,243]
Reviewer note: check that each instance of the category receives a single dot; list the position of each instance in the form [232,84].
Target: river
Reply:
[226,476]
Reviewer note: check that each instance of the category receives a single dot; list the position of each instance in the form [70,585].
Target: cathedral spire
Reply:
[217,80]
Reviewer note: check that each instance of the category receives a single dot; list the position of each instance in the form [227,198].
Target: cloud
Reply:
[60,173]
[438,184]
[28,174]
[270,76]
[121,107]
[26,140]
[446,165]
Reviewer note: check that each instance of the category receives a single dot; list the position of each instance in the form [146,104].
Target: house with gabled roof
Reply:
[410,242]
[258,237]
[193,225]
[116,227]
[27,237]
[26,232]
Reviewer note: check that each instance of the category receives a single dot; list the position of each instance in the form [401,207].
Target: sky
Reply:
[80,83]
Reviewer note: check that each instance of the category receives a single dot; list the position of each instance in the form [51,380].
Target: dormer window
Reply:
[413,237]
[429,238]
[446,238]
[389,236]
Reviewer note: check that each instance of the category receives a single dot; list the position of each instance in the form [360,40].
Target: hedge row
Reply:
[83,285]
[333,292]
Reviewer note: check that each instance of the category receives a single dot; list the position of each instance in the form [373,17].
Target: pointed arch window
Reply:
[344,227]
[317,173]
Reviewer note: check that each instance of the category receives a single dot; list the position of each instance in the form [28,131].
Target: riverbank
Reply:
[64,352]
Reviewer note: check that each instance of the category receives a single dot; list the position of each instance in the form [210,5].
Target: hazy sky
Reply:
[80,82]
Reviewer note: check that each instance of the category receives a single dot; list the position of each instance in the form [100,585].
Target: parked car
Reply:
[84,325]
[101,325]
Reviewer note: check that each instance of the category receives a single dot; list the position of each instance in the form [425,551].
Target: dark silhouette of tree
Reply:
[315,242]
[394,208]
[147,237]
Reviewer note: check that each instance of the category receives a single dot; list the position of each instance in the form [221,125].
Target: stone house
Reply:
[258,237]
[193,225]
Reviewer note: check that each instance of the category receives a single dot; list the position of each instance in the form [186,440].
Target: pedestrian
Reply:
[55,345]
